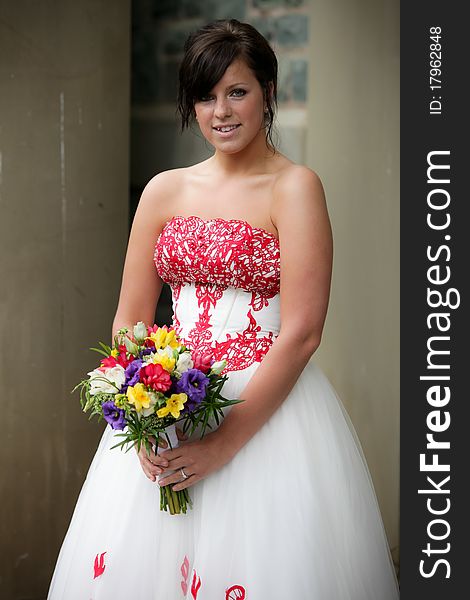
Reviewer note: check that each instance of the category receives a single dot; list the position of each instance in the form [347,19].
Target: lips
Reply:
[226,128]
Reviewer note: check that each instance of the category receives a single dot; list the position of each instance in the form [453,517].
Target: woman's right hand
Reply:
[152,464]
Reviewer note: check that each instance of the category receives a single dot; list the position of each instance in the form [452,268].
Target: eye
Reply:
[238,92]
[206,98]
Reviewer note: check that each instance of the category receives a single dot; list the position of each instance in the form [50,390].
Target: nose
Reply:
[222,108]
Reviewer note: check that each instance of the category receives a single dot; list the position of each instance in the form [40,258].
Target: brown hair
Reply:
[207,54]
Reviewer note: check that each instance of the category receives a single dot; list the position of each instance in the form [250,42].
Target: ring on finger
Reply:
[184,475]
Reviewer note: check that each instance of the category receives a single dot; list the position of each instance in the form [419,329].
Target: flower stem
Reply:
[176,503]
[169,500]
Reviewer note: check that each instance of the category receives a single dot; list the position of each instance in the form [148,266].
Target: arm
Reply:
[141,286]
[300,215]
[301,219]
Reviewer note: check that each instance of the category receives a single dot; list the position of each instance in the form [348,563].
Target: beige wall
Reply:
[64,113]
[353,143]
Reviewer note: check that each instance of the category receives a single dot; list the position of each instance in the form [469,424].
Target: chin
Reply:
[230,150]
[232,147]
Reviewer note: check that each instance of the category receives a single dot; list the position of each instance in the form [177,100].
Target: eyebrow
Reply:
[235,84]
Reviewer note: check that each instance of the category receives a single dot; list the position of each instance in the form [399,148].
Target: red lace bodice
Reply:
[210,258]
[225,253]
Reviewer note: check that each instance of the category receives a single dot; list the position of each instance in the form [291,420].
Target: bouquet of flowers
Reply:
[146,384]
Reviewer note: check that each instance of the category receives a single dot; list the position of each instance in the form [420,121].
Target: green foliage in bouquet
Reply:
[148,383]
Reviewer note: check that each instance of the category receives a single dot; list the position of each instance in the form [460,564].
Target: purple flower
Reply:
[132,374]
[193,383]
[114,415]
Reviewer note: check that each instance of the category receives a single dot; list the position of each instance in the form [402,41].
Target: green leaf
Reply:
[100,351]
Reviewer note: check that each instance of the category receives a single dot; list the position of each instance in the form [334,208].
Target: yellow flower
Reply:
[163,338]
[174,405]
[115,352]
[167,362]
[138,396]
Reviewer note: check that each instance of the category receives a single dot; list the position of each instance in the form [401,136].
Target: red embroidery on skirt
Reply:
[196,584]
[185,574]
[99,565]
[245,348]
[240,350]
[236,592]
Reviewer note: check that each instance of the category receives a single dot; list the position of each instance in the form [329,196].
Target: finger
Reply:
[181,485]
[172,454]
[157,460]
[152,458]
[153,463]
[162,443]
[155,469]
[148,472]
[175,477]
[181,461]
[147,453]
[150,476]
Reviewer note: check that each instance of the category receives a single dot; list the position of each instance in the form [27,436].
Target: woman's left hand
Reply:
[196,460]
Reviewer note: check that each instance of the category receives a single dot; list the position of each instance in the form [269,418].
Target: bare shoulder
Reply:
[160,195]
[163,186]
[298,190]
[294,179]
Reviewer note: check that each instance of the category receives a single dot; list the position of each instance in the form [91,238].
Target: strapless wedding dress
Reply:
[293,516]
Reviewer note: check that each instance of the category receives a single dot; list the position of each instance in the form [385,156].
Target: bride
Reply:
[283,504]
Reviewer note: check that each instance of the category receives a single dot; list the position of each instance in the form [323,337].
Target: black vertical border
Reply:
[422,133]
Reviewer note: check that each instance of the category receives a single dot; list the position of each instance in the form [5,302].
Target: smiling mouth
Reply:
[226,128]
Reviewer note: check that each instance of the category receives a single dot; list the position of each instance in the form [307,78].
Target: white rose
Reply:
[102,382]
[218,367]
[140,332]
[184,363]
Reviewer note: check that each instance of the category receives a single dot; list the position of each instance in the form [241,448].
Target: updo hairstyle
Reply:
[207,54]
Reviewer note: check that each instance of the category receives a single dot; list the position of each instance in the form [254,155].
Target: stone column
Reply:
[64,114]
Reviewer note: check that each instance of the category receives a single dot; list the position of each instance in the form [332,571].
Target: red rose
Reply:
[156,377]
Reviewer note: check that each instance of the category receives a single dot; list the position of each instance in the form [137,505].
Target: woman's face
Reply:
[232,114]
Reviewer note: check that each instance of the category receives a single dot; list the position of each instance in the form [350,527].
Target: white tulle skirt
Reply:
[292,516]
